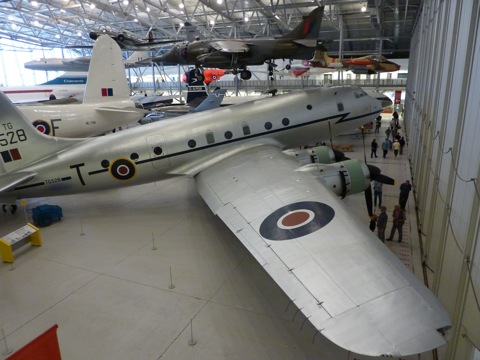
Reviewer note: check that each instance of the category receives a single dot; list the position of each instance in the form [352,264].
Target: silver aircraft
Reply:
[346,282]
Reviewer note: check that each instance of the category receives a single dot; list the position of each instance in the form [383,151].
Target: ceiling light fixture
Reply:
[181,6]
[364,8]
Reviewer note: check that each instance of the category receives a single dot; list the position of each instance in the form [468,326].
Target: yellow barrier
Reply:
[11,242]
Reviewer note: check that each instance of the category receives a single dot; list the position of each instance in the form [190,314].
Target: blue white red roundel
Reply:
[42,126]
[295,220]
[122,169]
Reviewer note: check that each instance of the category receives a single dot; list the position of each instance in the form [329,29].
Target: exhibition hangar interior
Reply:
[159,232]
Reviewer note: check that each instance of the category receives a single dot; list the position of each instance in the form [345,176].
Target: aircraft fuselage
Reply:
[173,148]
[260,50]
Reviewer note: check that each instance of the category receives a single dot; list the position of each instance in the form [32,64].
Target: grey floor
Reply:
[139,273]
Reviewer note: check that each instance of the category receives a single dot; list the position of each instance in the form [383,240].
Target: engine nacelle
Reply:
[317,154]
[344,178]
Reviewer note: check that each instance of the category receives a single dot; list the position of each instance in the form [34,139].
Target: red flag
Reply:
[43,347]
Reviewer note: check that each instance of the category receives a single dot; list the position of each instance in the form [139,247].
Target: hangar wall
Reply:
[442,117]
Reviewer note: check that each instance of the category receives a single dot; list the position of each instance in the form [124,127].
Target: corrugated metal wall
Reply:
[443,119]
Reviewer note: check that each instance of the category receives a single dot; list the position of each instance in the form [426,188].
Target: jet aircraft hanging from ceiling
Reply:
[137,59]
[128,42]
[106,103]
[345,281]
[370,64]
[237,54]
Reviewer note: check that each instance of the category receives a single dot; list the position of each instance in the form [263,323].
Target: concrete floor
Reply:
[138,273]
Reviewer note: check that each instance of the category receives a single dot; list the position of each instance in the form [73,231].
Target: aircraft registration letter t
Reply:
[79,173]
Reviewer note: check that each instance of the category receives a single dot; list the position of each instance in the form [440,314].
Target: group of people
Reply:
[393,141]
[396,143]
[399,215]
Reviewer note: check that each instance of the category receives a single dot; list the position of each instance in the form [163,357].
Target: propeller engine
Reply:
[317,154]
[347,177]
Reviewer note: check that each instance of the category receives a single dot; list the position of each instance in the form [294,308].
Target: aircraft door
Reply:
[157,151]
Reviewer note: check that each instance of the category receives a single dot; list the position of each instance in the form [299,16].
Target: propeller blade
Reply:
[368,200]
[339,155]
[384,179]
[376,174]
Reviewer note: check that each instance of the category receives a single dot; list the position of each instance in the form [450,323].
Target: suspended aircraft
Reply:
[209,75]
[130,42]
[345,281]
[66,86]
[237,54]
[137,59]
[106,103]
[370,64]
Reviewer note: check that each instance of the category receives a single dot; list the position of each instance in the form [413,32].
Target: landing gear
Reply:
[270,70]
[13,208]
[246,74]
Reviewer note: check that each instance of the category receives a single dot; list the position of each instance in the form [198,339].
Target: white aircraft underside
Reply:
[344,280]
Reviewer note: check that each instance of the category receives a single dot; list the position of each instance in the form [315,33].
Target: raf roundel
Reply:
[296,220]
[42,126]
[123,169]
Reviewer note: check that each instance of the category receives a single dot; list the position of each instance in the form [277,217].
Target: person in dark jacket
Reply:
[405,189]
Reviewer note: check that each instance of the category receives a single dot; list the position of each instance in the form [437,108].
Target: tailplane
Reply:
[213,101]
[21,144]
[309,27]
[106,75]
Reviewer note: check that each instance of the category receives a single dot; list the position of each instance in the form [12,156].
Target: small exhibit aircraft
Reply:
[66,86]
[370,64]
[129,42]
[345,281]
[137,59]
[212,101]
[209,75]
[106,102]
[237,54]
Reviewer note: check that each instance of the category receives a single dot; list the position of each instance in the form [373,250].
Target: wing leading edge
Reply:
[345,281]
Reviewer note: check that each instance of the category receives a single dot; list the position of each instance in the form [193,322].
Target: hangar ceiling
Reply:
[385,25]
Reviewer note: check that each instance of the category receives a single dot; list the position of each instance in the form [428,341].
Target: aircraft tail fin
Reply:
[213,101]
[106,76]
[21,144]
[309,28]
[196,89]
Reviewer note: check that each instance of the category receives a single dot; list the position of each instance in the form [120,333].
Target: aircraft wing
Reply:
[11,180]
[124,110]
[229,46]
[349,285]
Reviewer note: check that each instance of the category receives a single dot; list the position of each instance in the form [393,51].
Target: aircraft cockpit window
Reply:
[210,137]
[340,106]
[359,93]
[246,129]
